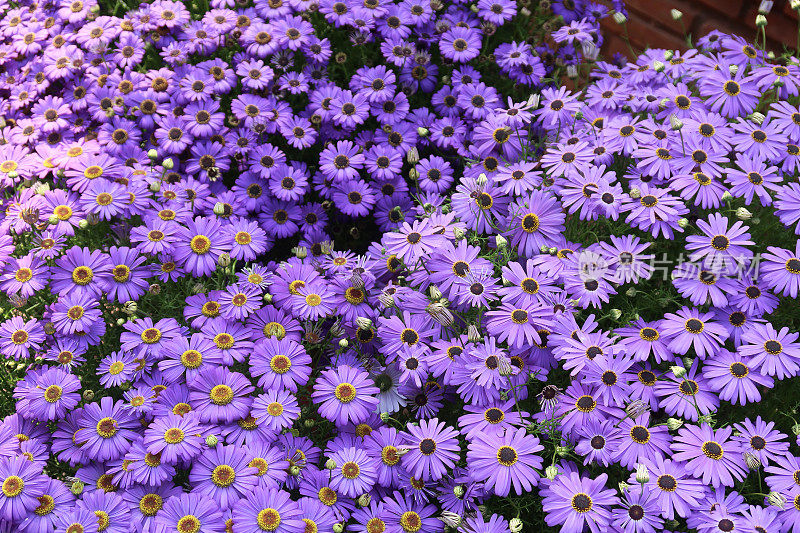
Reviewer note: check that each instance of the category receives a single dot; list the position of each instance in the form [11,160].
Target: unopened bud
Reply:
[294,470]
[658,66]
[726,196]
[776,499]
[77,487]
[343,344]
[501,242]
[761,20]
[562,451]
[219,209]
[733,69]
[459,233]
[330,464]
[412,156]
[683,222]
[385,417]
[743,214]
[620,18]
[669,54]
[551,472]
[364,500]
[83,223]
[300,252]
[676,14]
[482,179]
[615,313]
[386,299]
[630,293]
[515,525]
[363,322]
[796,429]
[212,441]
[642,475]
[635,193]
[423,132]
[675,123]
[674,423]
[309,423]
[224,259]
[88,395]
[53,219]
[168,163]
[752,461]
[623,487]
[152,153]
[678,371]
[458,491]
[413,174]
[473,334]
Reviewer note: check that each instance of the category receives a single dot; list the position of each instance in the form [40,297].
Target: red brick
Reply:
[779,28]
[732,8]
[660,11]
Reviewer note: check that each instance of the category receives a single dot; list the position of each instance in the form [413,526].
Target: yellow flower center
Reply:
[221,395]
[268,519]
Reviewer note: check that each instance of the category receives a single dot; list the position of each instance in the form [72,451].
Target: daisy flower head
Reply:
[576,502]
[433,449]
[345,394]
[504,460]
[711,455]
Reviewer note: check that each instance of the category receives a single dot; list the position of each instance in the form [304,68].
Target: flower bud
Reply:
[562,451]
[579,115]
[796,429]
[294,470]
[413,174]
[168,163]
[515,525]
[674,423]
[309,423]
[212,441]
[412,156]
[658,66]
[83,223]
[338,527]
[761,21]
[635,193]
[364,500]
[501,242]
[330,464]
[683,222]
[459,233]
[343,344]
[776,499]
[363,322]
[458,491]
[623,487]
[53,219]
[794,4]
[572,71]
[669,54]
[743,214]
[219,209]
[121,321]
[88,395]
[615,313]
[386,299]
[450,519]
[636,408]
[77,487]
[752,461]
[300,252]
[385,417]
[267,298]
[642,475]
[676,14]
[473,334]
[423,132]
[733,69]
[551,472]
[630,293]
[224,259]
[675,123]
[678,371]
[152,153]
[620,18]
[727,197]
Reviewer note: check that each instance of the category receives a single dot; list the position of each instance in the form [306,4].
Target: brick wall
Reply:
[650,24]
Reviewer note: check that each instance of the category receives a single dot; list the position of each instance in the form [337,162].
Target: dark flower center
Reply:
[636,512]
[598,442]
[427,446]
[667,483]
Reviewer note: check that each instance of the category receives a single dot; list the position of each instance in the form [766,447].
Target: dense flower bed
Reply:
[314,267]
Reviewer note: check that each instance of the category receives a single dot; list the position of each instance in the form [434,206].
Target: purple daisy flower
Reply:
[772,352]
[108,429]
[174,438]
[220,395]
[780,269]
[689,328]
[56,392]
[433,448]
[268,510]
[355,472]
[22,484]
[575,502]
[222,473]
[710,454]
[276,409]
[505,460]
[731,374]
[82,271]
[345,394]
[191,512]
[199,245]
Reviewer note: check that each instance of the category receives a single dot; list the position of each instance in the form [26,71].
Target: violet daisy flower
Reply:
[576,502]
[689,328]
[780,269]
[56,392]
[640,441]
[598,442]
[405,515]
[280,364]
[175,438]
[772,352]
[24,276]
[268,510]
[199,245]
[761,439]
[677,491]
[222,473]
[433,448]
[640,512]
[107,428]
[220,395]
[355,472]
[689,397]
[345,394]
[731,374]
[720,245]
[275,409]
[504,460]
[710,454]
[191,512]
[82,271]
[535,221]
[519,325]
